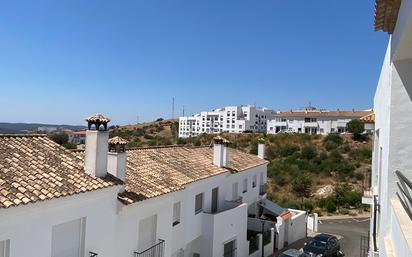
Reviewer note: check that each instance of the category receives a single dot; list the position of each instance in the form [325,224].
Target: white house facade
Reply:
[312,121]
[108,201]
[232,119]
[389,196]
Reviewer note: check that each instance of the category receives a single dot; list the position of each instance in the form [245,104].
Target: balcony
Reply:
[228,205]
[157,250]
[367,197]
[262,189]
[312,124]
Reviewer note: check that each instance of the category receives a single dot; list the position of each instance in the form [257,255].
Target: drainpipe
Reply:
[375,213]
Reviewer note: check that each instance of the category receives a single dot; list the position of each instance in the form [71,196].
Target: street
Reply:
[350,229]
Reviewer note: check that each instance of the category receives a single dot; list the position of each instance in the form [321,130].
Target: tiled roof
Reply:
[314,114]
[153,172]
[117,141]
[98,118]
[34,168]
[370,118]
[386,14]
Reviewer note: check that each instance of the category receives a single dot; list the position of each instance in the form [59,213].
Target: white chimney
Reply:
[95,161]
[220,152]
[116,161]
[261,149]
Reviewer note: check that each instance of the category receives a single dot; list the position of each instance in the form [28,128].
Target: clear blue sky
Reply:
[63,60]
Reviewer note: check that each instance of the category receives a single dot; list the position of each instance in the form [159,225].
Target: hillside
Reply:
[322,162]
[6,127]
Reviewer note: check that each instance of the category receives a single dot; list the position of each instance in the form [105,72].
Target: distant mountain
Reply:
[13,128]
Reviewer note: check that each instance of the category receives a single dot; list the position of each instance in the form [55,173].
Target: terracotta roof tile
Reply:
[153,172]
[34,168]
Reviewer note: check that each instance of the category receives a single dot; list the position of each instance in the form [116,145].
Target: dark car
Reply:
[323,245]
[293,253]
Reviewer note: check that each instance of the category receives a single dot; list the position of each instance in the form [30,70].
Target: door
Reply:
[215,199]
[147,232]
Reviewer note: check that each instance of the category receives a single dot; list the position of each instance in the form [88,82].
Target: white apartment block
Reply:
[312,121]
[162,201]
[391,187]
[231,119]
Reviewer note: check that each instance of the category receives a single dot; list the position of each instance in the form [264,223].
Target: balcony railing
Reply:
[156,250]
[262,189]
[404,192]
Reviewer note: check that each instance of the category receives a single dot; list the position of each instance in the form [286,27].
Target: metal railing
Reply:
[262,189]
[404,194]
[156,250]
[230,253]
[92,254]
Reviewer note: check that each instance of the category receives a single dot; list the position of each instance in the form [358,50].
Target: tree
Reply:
[60,138]
[301,186]
[356,127]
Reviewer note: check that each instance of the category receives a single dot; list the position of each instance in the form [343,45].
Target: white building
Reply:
[232,119]
[312,121]
[108,201]
[391,221]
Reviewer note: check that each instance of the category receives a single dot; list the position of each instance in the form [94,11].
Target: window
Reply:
[176,213]
[254,181]
[229,249]
[5,248]
[198,203]
[68,238]
[245,185]
[235,191]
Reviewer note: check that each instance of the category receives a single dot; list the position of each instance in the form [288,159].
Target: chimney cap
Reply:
[117,141]
[97,120]
[117,144]
[220,140]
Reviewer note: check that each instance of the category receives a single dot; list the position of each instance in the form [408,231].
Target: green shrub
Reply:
[329,145]
[335,138]
[288,150]
[147,136]
[330,206]
[308,152]
[361,154]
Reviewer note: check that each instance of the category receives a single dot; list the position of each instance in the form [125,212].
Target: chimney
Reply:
[95,161]
[261,148]
[220,152]
[116,158]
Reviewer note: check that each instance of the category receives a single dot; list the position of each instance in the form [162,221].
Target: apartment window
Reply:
[229,249]
[245,185]
[68,238]
[198,203]
[240,126]
[254,181]
[5,248]
[176,213]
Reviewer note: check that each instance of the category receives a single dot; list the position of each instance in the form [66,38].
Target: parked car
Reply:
[293,253]
[323,245]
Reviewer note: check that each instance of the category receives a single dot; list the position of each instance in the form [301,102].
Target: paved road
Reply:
[350,229]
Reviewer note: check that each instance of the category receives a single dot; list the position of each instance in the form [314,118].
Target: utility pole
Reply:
[173,108]
[183,111]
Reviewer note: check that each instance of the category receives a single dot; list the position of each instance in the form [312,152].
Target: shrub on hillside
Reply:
[308,152]
[360,154]
[336,138]
[288,150]
[330,206]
